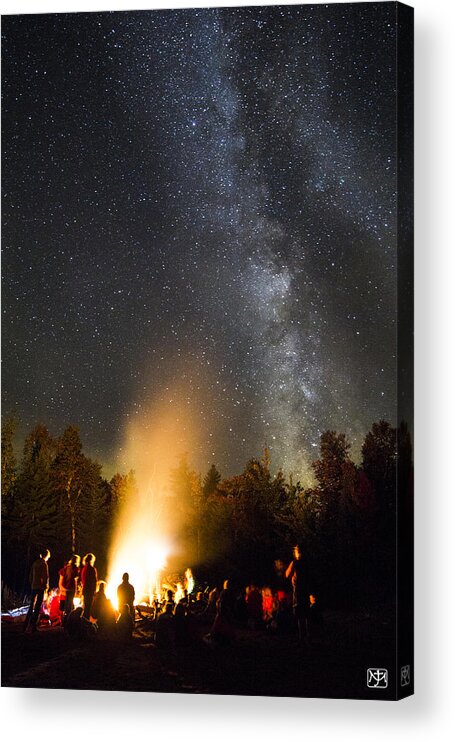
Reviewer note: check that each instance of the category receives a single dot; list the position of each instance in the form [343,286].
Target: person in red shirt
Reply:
[268,604]
[69,576]
[55,613]
[89,579]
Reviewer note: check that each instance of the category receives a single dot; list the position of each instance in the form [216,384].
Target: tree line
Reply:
[243,526]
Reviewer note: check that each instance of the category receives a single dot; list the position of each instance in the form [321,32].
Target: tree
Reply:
[91,514]
[182,483]
[379,464]
[260,506]
[76,480]
[404,455]
[329,467]
[187,488]
[35,512]
[211,481]
[123,489]
[379,459]
[335,475]
[9,471]
[9,479]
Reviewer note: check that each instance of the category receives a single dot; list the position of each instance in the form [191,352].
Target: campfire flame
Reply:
[178,595]
[149,517]
[144,562]
[189,581]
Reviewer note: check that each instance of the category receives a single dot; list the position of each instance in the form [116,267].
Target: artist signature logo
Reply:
[377,677]
[405,676]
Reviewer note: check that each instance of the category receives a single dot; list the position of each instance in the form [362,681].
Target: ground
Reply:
[256,663]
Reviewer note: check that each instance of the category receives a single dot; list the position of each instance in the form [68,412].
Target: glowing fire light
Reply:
[178,595]
[189,580]
[180,589]
[143,561]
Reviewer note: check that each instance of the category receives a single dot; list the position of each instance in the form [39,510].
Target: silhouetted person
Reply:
[103,611]
[241,607]
[164,631]
[297,573]
[199,605]
[185,599]
[222,631]
[125,624]
[89,579]
[254,607]
[69,576]
[211,609]
[77,627]
[226,601]
[39,581]
[181,625]
[126,594]
[169,604]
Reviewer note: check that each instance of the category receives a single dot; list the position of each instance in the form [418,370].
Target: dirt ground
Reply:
[256,663]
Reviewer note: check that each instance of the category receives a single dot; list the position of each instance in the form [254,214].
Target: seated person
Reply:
[102,610]
[170,602]
[78,627]
[125,623]
[199,605]
[181,625]
[55,613]
[164,630]
[254,607]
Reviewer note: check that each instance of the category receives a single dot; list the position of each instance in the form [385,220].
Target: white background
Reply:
[69,715]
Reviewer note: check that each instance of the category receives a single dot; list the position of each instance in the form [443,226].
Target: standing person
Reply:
[126,594]
[69,576]
[89,579]
[298,574]
[39,581]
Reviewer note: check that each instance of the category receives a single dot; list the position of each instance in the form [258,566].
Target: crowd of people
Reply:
[81,606]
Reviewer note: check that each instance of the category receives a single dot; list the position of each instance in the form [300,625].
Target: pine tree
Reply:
[182,483]
[35,510]
[211,481]
[9,466]
[329,467]
[379,462]
[76,481]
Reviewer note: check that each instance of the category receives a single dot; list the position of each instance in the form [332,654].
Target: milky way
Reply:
[201,200]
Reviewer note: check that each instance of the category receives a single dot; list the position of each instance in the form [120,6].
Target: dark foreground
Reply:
[257,663]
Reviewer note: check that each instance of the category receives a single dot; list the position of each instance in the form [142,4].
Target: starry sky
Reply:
[199,208]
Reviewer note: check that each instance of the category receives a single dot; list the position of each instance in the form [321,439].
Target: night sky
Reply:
[199,210]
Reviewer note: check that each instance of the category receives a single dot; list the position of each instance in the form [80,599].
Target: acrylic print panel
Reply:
[207,351]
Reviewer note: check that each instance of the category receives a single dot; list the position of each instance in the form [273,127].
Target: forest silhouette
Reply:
[243,526]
